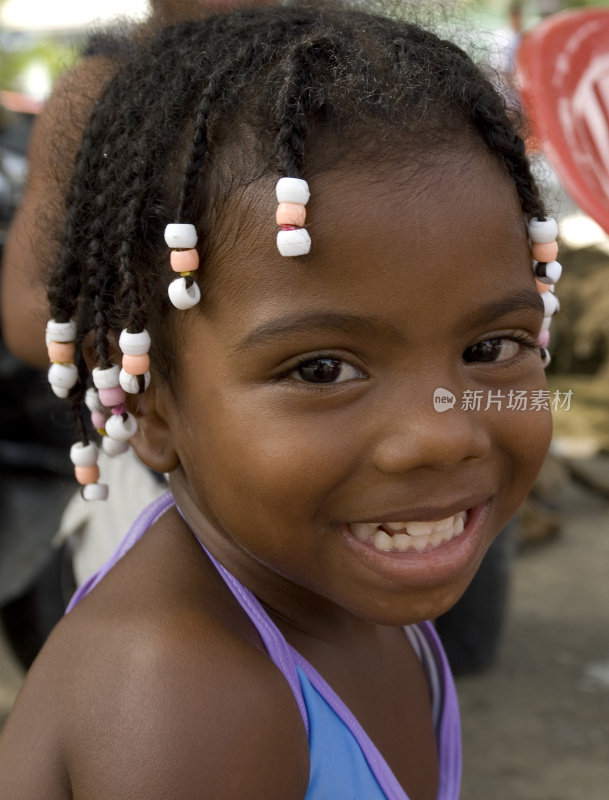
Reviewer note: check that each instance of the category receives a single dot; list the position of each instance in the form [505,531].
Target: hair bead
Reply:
[121,426]
[113,396]
[295,242]
[106,378]
[83,454]
[184,260]
[98,420]
[546,358]
[95,491]
[112,447]
[545,251]
[183,296]
[136,365]
[134,344]
[180,235]
[92,401]
[542,231]
[60,331]
[543,340]
[132,384]
[291,214]
[548,272]
[292,190]
[550,304]
[62,378]
[85,475]
[61,352]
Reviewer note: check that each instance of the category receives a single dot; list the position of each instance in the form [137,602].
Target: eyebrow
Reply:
[299,323]
[525,300]
[316,321]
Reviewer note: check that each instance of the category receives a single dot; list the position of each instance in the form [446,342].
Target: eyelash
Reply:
[522,339]
[318,358]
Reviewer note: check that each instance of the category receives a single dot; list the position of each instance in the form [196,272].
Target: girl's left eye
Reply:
[495,351]
[325,370]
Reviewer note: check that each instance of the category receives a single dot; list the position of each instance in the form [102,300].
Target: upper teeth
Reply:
[401,536]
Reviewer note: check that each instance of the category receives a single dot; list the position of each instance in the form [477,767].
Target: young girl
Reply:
[298,243]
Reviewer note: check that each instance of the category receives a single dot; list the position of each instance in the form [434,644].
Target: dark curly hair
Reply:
[201,107]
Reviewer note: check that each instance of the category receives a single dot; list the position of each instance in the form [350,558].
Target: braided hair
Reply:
[260,91]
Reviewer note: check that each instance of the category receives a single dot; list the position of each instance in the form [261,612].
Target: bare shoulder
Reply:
[163,702]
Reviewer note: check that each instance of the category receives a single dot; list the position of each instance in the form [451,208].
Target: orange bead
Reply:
[291,214]
[184,260]
[61,352]
[86,475]
[542,287]
[545,252]
[136,365]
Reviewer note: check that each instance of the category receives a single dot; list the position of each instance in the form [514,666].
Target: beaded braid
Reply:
[300,66]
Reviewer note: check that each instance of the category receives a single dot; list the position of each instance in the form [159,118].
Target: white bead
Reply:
[63,394]
[60,331]
[134,344]
[63,376]
[542,232]
[548,273]
[121,429]
[95,491]
[179,235]
[112,447]
[294,243]
[131,384]
[546,358]
[545,325]
[106,378]
[92,400]
[550,304]
[83,455]
[292,190]
[183,297]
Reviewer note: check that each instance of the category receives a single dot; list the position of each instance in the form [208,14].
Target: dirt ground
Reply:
[536,725]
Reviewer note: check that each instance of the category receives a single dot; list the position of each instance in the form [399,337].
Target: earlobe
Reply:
[153,441]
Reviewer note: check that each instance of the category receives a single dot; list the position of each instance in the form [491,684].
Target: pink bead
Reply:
[98,420]
[112,397]
[184,260]
[85,475]
[291,214]
[136,365]
[543,340]
[543,287]
[119,410]
[61,352]
[545,252]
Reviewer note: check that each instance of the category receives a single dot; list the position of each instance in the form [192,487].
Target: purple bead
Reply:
[112,397]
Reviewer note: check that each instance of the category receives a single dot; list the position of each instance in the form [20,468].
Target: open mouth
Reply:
[400,537]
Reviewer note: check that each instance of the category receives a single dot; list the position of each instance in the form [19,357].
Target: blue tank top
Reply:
[344,762]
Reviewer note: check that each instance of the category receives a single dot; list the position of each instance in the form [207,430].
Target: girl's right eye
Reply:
[325,369]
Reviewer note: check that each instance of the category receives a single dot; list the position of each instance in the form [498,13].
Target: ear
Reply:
[153,441]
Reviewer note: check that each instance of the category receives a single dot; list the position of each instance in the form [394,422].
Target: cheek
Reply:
[525,439]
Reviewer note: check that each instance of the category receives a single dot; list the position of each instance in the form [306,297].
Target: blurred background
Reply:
[530,642]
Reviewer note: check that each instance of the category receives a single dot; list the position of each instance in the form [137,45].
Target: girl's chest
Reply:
[387,691]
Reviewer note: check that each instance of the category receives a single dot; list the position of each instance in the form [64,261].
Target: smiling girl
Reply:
[287,228]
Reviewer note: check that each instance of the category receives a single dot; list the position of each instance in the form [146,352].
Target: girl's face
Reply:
[303,410]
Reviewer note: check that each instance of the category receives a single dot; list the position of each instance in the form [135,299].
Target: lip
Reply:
[439,565]
[426,513]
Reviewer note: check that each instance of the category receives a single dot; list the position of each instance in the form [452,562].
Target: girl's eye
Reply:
[495,350]
[325,370]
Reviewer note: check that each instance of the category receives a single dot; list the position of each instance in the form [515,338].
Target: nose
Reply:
[423,437]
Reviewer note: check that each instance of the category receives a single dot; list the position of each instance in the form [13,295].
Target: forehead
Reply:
[377,229]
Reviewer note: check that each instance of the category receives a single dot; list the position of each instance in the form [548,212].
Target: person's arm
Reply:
[33,239]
